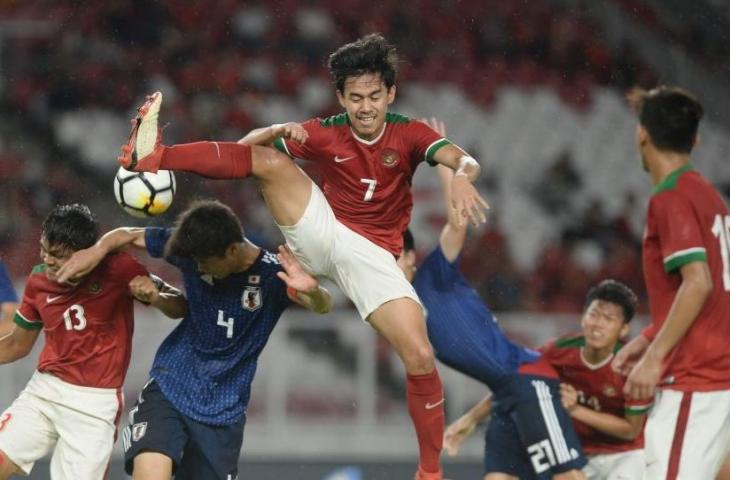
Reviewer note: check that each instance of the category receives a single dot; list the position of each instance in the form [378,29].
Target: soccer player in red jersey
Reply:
[608,424]
[351,230]
[73,402]
[686,263]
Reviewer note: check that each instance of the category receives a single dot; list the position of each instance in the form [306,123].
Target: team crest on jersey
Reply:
[138,431]
[251,298]
[609,391]
[95,288]
[389,157]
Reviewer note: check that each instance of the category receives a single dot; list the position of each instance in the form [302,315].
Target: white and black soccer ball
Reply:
[144,194]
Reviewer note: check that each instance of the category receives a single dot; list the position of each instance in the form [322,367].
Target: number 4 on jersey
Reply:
[228,323]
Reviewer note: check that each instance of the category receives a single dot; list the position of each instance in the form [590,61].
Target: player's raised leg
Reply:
[402,323]
[7,467]
[286,188]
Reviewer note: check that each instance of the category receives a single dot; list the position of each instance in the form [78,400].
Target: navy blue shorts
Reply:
[530,435]
[197,450]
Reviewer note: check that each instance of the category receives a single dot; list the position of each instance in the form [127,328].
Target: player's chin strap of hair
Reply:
[468,167]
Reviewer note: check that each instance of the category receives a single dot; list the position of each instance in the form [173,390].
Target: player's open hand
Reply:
[294,275]
[457,433]
[644,377]
[80,263]
[291,131]
[469,205]
[568,396]
[143,288]
[629,355]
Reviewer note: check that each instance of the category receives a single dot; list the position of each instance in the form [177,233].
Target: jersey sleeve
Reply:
[679,231]
[310,149]
[125,267]
[27,316]
[438,271]
[425,142]
[7,291]
[637,407]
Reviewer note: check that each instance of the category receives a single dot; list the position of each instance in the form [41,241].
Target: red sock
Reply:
[425,397]
[209,159]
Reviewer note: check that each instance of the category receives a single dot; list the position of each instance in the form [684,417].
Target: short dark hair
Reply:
[408,242]
[369,54]
[72,226]
[615,292]
[671,115]
[206,229]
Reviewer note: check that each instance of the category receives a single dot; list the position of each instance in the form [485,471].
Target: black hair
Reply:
[206,229]
[72,226]
[671,115]
[369,54]
[408,242]
[617,293]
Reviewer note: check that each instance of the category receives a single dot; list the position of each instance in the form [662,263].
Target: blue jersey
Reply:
[206,365]
[464,333]
[7,291]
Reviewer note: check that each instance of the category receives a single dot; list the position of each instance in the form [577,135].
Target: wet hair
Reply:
[368,54]
[206,229]
[72,226]
[617,293]
[671,115]
[408,242]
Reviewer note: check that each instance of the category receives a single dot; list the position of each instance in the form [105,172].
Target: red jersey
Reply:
[368,183]
[688,221]
[88,326]
[599,388]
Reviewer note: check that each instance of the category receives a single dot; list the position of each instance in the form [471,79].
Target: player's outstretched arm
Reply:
[465,199]
[15,341]
[456,433]
[152,290]
[307,290]
[265,136]
[453,234]
[693,292]
[84,261]
[624,428]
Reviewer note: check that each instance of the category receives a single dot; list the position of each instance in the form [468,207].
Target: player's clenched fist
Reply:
[290,131]
[144,289]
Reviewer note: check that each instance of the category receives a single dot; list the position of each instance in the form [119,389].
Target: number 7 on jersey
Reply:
[371,188]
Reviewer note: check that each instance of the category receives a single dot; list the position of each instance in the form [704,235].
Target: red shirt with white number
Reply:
[88,326]
[688,221]
[368,183]
[599,388]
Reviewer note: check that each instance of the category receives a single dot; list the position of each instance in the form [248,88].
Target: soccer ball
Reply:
[144,194]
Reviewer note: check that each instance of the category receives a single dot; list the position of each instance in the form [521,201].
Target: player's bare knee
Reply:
[419,359]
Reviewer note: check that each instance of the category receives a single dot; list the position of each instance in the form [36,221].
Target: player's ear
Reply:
[625,329]
[391,94]
[642,136]
[340,98]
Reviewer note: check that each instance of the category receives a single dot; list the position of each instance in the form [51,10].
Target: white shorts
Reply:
[687,434]
[627,465]
[80,422]
[367,273]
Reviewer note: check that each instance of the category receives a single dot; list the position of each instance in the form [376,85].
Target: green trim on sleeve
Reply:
[25,324]
[391,117]
[569,342]
[280,145]
[673,262]
[335,120]
[435,147]
[635,410]
[41,267]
